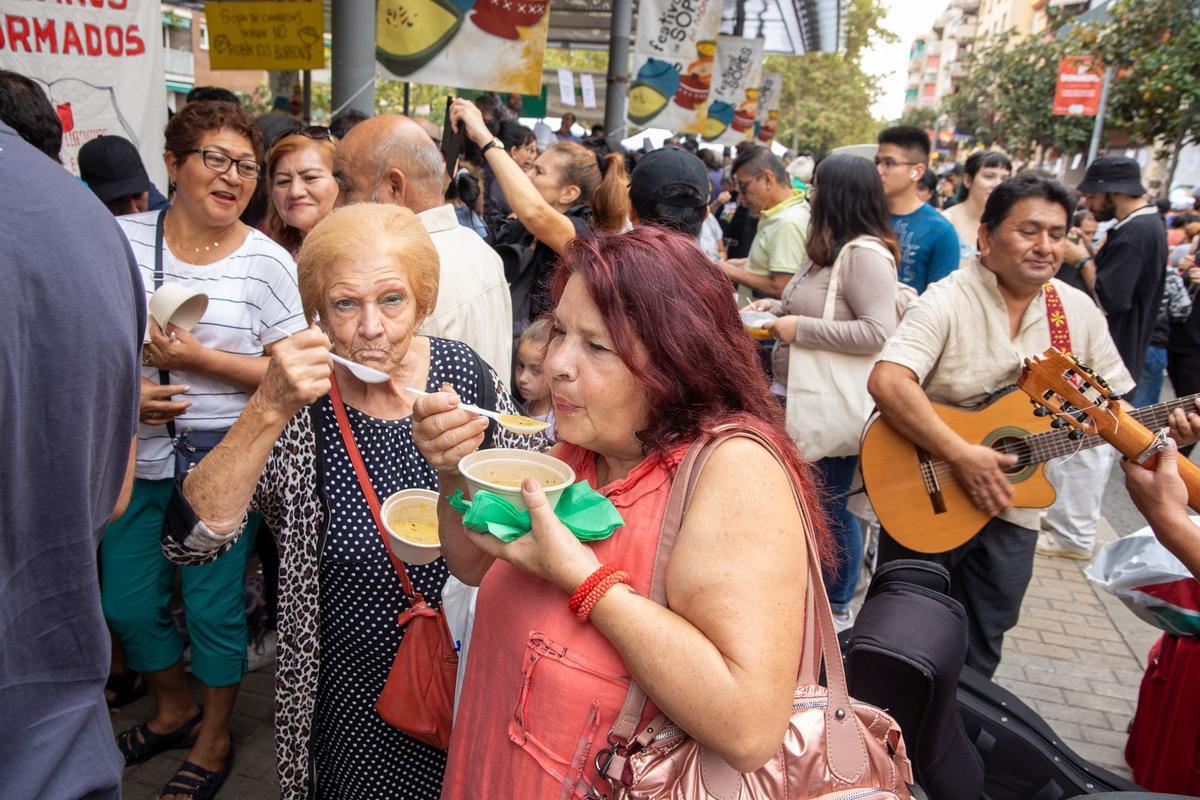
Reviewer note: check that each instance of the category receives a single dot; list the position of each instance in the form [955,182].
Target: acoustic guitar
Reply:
[916,495]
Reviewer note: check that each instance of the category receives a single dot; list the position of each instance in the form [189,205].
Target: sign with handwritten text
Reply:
[273,35]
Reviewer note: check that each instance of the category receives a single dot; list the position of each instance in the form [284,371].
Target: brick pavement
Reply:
[1076,657]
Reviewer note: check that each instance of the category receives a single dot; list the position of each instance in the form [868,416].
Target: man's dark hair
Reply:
[217,93]
[683,219]
[1024,187]
[340,125]
[1163,205]
[758,159]
[25,108]
[908,137]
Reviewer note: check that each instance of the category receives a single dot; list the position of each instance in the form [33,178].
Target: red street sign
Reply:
[1077,93]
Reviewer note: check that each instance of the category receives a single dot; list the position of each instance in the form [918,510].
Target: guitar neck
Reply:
[1054,443]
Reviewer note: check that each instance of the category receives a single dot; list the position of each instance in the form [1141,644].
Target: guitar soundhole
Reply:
[1017,446]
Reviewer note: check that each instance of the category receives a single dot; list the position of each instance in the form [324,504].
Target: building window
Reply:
[203,35]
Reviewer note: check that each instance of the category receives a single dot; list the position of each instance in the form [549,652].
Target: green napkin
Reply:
[586,513]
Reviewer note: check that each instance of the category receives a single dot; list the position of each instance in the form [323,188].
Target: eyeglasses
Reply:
[743,185]
[891,163]
[318,132]
[220,163]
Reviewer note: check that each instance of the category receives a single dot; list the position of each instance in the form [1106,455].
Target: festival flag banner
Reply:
[101,64]
[674,49]
[490,45]
[266,34]
[767,120]
[1077,91]
[737,81]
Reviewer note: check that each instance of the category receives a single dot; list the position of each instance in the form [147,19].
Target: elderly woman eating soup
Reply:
[368,278]
[646,357]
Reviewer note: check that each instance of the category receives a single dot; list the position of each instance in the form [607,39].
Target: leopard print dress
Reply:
[296,498]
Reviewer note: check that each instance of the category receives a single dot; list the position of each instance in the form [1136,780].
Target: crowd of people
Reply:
[544,273]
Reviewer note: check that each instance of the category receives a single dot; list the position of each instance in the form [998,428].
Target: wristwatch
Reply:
[493,143]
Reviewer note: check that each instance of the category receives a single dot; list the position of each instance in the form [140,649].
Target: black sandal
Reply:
[139,743]
[126,687]
[198,783]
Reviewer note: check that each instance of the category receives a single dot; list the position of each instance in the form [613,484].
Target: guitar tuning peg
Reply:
[1081,416]
[1085,368]
[1058,422]
[1067,407]
[1041,411]
[1115,397]
[1075,434]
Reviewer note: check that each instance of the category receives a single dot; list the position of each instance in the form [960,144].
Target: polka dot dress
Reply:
[357,754]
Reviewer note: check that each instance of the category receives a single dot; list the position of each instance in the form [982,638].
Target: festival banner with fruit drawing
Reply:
[491,45]
[767,121]
[737,81]
[101,65]
[674,50]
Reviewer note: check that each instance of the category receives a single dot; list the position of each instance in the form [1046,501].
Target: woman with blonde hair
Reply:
[300,180]
[368,279]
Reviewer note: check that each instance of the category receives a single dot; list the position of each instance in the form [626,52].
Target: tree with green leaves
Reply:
[1153,47]
[827,97]
[1007,96]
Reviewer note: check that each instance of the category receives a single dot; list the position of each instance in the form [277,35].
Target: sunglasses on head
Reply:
[318,133]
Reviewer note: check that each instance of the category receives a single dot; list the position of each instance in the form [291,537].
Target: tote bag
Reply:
[827,399]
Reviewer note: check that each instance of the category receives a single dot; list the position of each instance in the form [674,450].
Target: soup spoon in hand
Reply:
[361,371]
[513,423]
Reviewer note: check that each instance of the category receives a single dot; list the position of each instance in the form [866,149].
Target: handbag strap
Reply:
[845,745]
[835,275]
[164,377]
[360,469]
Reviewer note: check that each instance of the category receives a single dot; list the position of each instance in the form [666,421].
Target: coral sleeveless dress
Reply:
[542,689]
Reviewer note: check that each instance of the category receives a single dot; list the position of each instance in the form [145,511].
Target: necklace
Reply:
[203,248]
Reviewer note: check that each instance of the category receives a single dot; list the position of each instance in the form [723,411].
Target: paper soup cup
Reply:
[501,471]
[405,505]
[178,305]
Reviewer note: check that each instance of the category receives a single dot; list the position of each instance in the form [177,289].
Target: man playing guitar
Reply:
[963,340]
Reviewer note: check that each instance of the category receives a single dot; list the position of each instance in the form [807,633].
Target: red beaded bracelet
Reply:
[589,602]
[589,583]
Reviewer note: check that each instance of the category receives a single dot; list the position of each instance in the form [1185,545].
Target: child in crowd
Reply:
[530,380]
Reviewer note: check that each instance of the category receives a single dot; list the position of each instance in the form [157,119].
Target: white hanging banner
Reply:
[767,120]
[736,84]
[101,65]
[674,49]
[566,87]
[588,86]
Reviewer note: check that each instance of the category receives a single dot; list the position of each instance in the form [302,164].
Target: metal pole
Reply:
[306,77]
[407,97]
[617,91]
[352,25]
[1098,128]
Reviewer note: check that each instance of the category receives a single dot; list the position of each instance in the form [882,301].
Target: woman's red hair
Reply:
[656,289]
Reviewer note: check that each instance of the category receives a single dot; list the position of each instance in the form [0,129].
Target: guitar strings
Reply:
[942,471]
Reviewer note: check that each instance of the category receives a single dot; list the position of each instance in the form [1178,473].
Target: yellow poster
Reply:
[274,35]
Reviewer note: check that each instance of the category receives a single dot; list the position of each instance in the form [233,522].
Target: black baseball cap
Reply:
[1119,174]
[112,168]
[670,176]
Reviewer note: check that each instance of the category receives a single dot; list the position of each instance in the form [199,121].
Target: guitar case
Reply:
[1023,758]
[904,654]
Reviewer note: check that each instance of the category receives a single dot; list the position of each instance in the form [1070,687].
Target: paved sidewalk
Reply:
[1077,658]
[253,777]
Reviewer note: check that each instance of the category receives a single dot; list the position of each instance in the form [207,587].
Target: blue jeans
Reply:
[837,473]
[1150,382]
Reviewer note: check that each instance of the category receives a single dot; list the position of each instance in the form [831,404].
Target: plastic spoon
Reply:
[513,423]
[361,371]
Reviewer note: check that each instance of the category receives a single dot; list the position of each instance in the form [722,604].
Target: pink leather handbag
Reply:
[834,747]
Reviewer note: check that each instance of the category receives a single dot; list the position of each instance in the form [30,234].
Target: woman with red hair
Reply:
[647,356]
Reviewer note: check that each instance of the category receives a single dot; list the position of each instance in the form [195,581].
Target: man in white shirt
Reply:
[390,159]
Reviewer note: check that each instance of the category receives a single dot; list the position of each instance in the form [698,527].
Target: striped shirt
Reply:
[249,292]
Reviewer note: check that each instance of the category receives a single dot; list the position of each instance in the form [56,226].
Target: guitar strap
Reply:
[1060,334]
